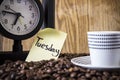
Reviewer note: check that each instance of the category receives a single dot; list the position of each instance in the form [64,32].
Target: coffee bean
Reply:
[104,78]
[49,71]
[8,78]
[1,72]
[114,73]
[106,74]
[46,76]
[88,70]
[4,75]
[115,77]
[80,74]
[63,78]
[88,75]
[94,78]
[56,75]
[83,78]
[76,69]
[61,69]
[98,74]
[22,71]
[73,74]
[93,72]
[18,63]
[82,70]
[99,78]
[12,75]
[70,69]
[58,78]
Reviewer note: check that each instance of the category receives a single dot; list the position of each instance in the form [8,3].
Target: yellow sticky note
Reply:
[47,45]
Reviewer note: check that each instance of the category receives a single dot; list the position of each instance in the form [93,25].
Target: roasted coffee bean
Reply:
[82,70]
[104,78]
[115,77]
[115,73]
[106,74]
[98,74]
[76,69]
[1,72]
[83,78]
[20,77]
[88,75]
[12,75]
[4,75]
[22,71]
[63,78]
[93,72]
[94,78]
[99,78]
[80,74]
[56,75]
[73,74]
[49,71]
[8,78]
[58,78]
[46,76]
[61,69]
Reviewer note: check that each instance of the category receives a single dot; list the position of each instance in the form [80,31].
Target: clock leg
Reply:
[17,46]
[49,13]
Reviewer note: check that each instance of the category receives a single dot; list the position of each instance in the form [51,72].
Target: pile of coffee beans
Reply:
[61,69]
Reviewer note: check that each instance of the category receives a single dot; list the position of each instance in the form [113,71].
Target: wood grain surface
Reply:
[104,14]
[72,17]
[76,17]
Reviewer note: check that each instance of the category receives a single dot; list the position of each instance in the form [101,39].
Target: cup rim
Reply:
[104,48]
[103,32]
[103,44]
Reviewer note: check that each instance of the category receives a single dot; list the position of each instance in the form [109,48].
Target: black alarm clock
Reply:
[20,19]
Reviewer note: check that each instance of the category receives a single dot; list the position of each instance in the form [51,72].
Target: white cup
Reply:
[105,57]
[104,52]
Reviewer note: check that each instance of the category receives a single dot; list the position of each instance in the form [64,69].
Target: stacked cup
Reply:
[104,47]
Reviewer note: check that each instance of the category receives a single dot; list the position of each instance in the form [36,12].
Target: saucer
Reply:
[85,62]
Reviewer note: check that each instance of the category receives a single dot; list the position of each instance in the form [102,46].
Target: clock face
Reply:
[20,17]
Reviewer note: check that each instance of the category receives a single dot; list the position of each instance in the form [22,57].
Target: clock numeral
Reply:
[18,28]
[11,1]
[3,13]
[5,21]
[7,7]
[25,26]
[18,1]
[30,22]
[30,7]
[26,2]
[33,15]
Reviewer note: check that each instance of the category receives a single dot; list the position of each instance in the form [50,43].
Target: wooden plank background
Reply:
[76,17]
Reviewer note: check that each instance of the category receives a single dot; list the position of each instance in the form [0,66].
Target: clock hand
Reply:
[11,13]
[17,17]
[17,14]
[8,12]
[14,11]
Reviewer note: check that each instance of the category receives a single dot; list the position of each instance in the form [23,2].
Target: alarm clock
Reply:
[20,19]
